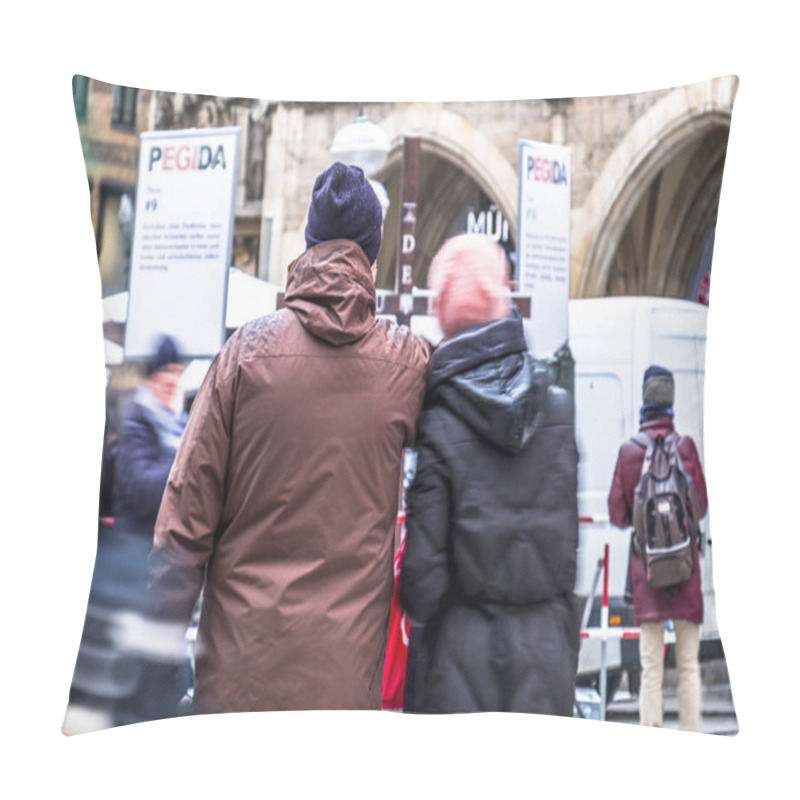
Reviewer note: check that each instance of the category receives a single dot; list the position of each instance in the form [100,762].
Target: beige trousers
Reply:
[651,656]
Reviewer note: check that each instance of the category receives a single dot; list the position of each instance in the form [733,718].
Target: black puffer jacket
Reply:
[492,531]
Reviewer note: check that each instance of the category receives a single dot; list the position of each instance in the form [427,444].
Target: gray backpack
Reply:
[663,523]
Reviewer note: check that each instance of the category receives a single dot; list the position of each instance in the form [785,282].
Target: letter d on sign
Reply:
[409,243]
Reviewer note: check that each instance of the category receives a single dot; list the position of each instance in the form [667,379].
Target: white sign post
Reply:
[543,240]
[183,230]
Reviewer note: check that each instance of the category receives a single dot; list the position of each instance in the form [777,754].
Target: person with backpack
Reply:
[659,488]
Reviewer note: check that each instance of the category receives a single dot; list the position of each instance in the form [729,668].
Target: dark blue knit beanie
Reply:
[345,206]
[165,352]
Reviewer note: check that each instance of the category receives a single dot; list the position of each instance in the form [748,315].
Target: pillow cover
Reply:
[606,209]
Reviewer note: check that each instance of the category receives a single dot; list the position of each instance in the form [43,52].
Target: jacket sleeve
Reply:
[691,462]
[423,351]
[424,576]
[143,465]
[620,510]
[193,501]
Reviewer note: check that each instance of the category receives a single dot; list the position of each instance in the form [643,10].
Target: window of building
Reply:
[123,108]
[80,96]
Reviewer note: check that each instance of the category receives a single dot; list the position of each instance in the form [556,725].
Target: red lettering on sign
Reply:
[184,159]
[169,158]
[543,170]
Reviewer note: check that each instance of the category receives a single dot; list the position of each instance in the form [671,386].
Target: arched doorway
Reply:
[451,201]
[665,242]
[651,216]
[465,183]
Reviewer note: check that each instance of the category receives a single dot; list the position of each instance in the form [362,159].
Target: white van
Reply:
[613,340]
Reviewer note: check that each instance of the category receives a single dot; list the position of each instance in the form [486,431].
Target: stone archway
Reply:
[459,168]
[643,226]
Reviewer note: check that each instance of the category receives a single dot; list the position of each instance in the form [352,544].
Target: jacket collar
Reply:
[331,290]
[486,377]
[660,424]
[476,345]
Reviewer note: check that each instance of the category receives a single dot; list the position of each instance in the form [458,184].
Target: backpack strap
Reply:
[645,442]
[691,492]
[673,438]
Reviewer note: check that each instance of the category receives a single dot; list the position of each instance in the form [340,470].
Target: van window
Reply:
[599,430]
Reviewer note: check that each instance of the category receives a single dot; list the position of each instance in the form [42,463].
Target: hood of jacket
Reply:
[487,378]
[331,290]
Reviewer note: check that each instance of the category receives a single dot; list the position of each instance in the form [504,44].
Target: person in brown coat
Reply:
[683,604]
[283,498]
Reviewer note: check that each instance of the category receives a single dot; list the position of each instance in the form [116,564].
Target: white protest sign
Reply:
[182,240]
[543,240]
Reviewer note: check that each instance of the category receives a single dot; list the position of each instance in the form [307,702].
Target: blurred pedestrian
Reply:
[118,654]
[283,500]
[682,603]
[148,441]
[492,519]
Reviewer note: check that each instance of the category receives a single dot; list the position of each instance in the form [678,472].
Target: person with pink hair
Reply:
[469,281]
[489,566]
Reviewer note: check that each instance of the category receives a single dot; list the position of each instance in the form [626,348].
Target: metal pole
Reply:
[587,609]
[604,639]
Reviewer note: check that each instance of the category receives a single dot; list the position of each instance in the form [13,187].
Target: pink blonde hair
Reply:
[468,278]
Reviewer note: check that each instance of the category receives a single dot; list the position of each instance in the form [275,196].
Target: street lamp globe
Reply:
[383,195]
[362,143]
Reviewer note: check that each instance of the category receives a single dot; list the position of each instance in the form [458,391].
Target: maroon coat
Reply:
[684,601]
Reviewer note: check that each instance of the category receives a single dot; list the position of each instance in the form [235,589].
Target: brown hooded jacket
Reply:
[282,500]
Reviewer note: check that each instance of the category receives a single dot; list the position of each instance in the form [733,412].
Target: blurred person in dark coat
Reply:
[492,518]
[683,604]
[119,651]
[148,441]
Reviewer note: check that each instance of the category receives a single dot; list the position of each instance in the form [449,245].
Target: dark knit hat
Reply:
[165,352]
[345,206]
[658,386]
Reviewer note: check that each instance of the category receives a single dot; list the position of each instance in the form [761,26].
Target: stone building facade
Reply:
[646,175]
[646,178]
[109,120]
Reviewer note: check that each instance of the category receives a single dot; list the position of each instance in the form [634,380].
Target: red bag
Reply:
[394,669]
